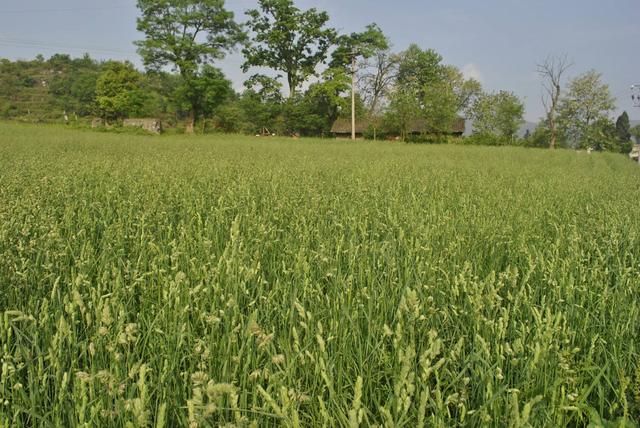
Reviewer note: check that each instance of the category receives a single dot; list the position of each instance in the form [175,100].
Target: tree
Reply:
[465,90]
[288,39]
[623,131]
[404,108]
[602,136]
[377,77]
[350,48]
[498,115]
[205,91]
[186,34]
[442,91]
[539,138]
[551,71]
[262,102]
[118,91]
[587,102]
[439,107]
[623,127]
[419,68]
[635,133]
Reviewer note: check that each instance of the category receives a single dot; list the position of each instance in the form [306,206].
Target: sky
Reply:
[498,42]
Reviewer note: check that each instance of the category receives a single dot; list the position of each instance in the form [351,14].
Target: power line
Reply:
[54,45]
[79,9]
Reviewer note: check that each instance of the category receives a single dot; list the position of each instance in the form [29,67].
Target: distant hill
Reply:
[45,89]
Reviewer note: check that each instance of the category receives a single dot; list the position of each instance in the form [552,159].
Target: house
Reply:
[342,128]
[150,125]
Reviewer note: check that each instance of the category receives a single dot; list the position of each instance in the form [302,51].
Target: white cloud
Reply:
[471,71]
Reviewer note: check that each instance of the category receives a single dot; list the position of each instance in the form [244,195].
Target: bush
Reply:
[486,139]
[229,118]
[376,132]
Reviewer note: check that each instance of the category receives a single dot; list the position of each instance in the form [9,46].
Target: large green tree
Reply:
[262,102]
[206,90]
[465,90]
[420,68]
[498,115]
[588,102]
[623,127]
[439,107]
[442,92]
[119,91]
[285,38]
[404,109]
[186,34]
[623,131]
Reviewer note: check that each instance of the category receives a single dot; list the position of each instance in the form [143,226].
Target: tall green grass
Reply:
[152,281]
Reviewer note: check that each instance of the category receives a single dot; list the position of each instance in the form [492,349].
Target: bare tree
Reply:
[377,78]
[551,71]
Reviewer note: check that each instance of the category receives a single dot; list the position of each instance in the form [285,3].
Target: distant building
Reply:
[635,152]
[151,125]
[342,128]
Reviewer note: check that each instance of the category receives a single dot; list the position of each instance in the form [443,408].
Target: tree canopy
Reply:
[584,108]
[186,34]
[285,38]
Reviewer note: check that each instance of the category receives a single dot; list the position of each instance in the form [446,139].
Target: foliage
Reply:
[118,91]
[186,34]
[42,89]
[376,77]
[288,39]
[439,107]
[601,135]
[204,91]
[441,93]
[403,110]
[584,108]
[465,90]
[539,138]
[358,45]
[635,133]
[623,130]
[486,138]
[227,280]
[499,114]
[419,69]
[230,118]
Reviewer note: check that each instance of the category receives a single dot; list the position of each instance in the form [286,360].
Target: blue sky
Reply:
[497,41]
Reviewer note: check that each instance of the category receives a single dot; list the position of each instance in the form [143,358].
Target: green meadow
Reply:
[235,281]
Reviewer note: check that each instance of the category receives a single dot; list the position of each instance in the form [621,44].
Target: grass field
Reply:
[174,281]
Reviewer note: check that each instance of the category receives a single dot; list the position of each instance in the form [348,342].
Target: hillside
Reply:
[43,90]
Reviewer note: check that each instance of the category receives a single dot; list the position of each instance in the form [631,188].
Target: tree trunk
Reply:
[353,98]
[292,86]
[552,118]
[191,124]
[554,134]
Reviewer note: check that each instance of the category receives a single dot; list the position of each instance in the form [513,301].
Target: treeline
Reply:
[312,70]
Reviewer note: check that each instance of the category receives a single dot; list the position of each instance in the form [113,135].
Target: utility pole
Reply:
[353,96]
[635,97]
